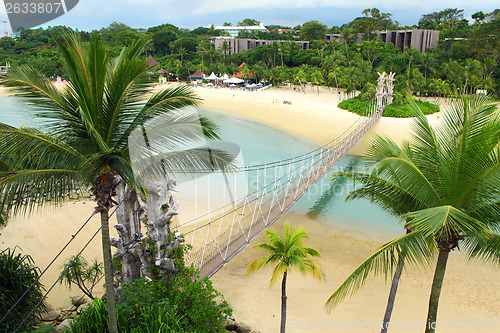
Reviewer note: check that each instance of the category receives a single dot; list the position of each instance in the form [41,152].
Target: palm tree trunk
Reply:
[108,273]
[392,295]
[437,285]
[283,304]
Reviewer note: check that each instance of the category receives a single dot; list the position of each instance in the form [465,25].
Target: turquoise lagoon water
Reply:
[263,144]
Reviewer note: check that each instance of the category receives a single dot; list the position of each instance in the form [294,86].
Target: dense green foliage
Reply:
[398,109]
[183,304]
[466,58]
[17,273]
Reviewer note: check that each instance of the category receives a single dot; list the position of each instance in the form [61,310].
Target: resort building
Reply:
[237,45]
[416,38]
[234,31]
[401,39]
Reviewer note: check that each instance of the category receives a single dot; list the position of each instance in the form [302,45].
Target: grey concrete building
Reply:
[416,38]
[238,45]
[402,39]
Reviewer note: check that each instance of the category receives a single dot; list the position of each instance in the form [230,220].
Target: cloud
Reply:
[204,7]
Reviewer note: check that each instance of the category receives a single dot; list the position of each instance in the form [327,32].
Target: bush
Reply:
[182,304]
[17,273]
[156,316]
[203,308]
[398,109]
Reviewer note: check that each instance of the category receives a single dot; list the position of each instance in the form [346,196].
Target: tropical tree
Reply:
[87,126]
[286,253]
[299,77]
[76,270]
[317,78]
[225,48]
[443,184]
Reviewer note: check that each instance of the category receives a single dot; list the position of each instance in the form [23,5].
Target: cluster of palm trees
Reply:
[443,184]
[351,66]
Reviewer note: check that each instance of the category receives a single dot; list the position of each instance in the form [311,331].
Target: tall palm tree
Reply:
[286,253]
[225,48]
[87,125]
[317,78]
[444,184]
[299,77]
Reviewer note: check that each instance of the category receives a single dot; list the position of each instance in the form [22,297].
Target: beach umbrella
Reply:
[233,80]
[212,77]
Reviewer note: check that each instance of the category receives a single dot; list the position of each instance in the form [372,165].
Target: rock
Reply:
[78,300]
[48,307]
[243,328]
[65,315]
[82,307]
[231,326]
[64,326]
[49,316]
[69,308]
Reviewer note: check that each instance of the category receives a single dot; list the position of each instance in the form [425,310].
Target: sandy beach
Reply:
[471,290]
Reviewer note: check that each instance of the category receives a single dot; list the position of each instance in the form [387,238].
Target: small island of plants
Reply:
[398,109]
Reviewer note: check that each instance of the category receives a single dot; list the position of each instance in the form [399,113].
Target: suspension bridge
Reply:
[271,189]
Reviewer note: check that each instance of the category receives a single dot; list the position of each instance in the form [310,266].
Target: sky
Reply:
[95,14]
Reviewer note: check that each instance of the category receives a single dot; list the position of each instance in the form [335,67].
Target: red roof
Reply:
[152,62]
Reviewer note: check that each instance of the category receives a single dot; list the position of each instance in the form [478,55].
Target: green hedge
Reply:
[398,109]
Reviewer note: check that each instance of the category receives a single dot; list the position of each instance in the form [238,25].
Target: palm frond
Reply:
[484,247]
[25,190]
[443,222]
[417,251]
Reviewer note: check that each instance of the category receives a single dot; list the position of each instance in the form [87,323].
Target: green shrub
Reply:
[203,308]
[182,304]
[149,317]
[368,92]
[17,273]
[398,109]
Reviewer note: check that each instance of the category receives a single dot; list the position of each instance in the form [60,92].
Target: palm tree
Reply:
[444,184]
[317,78]
[286,252]
[225,48]
[298,77]
[87,127]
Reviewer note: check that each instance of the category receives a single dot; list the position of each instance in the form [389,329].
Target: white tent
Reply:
[234,80]
[212,77]
[225,77]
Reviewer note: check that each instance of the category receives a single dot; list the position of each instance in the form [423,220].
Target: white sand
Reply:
[471,290]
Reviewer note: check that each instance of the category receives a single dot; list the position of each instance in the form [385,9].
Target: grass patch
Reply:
[398,109]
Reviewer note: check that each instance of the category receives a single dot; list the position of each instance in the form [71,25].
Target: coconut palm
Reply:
[87,125]
[299,77]
[317,78]
[286,253]
[443,184]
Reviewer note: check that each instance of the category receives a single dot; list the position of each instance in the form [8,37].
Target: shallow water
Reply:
[263,144]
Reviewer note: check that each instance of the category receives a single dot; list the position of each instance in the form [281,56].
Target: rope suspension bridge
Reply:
[273,188]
